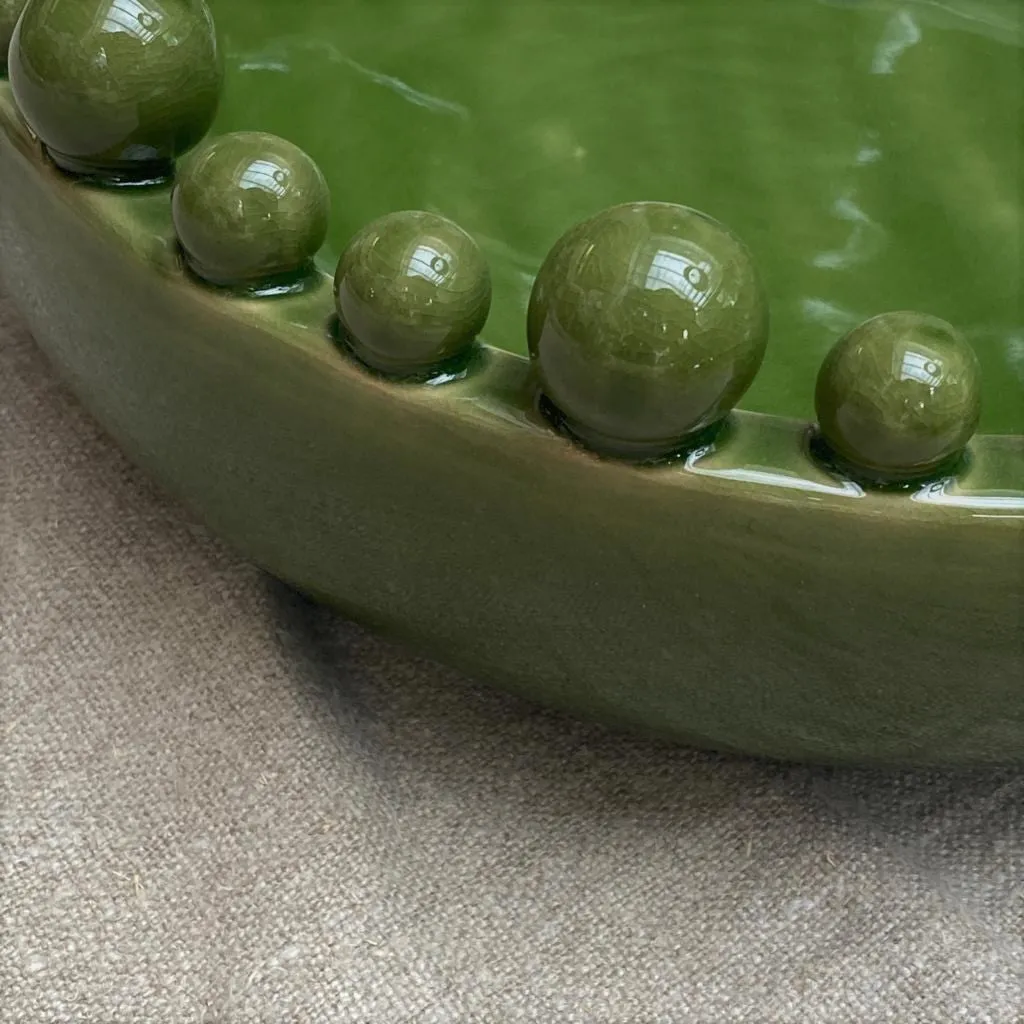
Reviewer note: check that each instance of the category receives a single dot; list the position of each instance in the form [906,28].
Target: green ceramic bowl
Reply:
[441,338]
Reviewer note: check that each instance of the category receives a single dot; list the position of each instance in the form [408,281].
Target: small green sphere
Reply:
[899,396]
[413,290]
[117,89]
[251,210]
[10,10]
[646,324]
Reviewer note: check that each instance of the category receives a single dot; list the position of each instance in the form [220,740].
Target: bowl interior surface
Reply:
[867,151]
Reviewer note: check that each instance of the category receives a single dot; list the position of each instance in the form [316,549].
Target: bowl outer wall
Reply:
[718,613]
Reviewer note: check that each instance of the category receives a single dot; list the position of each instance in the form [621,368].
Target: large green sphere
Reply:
[647,323]
[117,89]
[250,210]
[899,396]
[9,12]
[413,290]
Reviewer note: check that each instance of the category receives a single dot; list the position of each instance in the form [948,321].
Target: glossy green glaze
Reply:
[866,151]
[412,290]
[647,323]
[899,396]
[250,210]
[9,13]
[117,89]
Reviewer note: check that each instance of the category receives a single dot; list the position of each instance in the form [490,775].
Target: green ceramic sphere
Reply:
[250,210]
[117,89]
[899,396]
[10,10]
[646,324]
[413,291]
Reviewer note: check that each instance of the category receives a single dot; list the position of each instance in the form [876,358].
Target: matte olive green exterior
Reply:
[10,10]
[899,395]
[746,598]
[647,323]
[117,90]
[249,208]
[412,291]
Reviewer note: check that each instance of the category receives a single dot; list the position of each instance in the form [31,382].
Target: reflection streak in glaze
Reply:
[134,18]
[407,92]
[865,242]
[417,97]
[771,477]
[901,33]
[938,493]
[265,65]
[992,19]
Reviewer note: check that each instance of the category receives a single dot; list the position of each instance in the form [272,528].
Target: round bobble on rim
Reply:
[899,397]
[116,91]
[10,10]
[413,291]
[251,210]
[646,324]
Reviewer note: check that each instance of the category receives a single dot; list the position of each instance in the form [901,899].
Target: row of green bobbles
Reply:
[646,324]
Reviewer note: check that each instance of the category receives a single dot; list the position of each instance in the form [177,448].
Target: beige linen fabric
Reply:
[222,803]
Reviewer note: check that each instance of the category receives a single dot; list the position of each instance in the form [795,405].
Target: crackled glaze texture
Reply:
[647,323]
[250,210]
[9,13]
[117,89]
[413,291]
[899,396]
